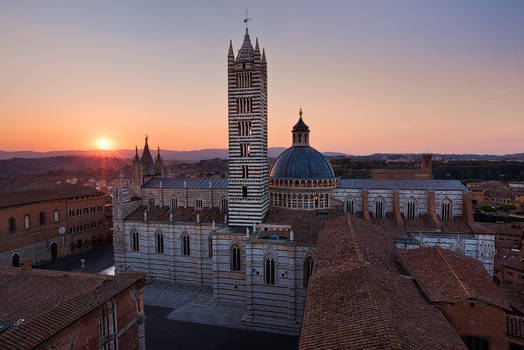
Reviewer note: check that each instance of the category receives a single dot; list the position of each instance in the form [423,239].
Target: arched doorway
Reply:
[54,251]
[15,260]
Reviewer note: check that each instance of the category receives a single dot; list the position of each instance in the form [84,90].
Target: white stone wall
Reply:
[185,197]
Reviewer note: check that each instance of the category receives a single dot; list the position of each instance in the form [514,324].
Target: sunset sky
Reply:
[371,76]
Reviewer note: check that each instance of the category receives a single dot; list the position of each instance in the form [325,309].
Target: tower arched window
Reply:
[159,243]
[446,213]
[186,247]
[210,246]
[223,207]
[235,258]
[174,203]
[135,242]
[244,191]
[379,208]
[350,206]
[308,270]
[411,209]
[12,225]
[269,270]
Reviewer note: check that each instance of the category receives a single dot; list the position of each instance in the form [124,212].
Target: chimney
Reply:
[26,265]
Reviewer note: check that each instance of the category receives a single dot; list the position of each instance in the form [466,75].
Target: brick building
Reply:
[43,225]
[44,309]
[423,173]
[509,267]
[478,189]
[507,235]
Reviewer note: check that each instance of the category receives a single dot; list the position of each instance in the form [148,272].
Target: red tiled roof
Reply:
[180,214]
[514,294]
[32,196]
[49,301]
[449,277]
[357,298]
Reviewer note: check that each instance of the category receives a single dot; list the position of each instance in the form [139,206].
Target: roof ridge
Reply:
[462,284]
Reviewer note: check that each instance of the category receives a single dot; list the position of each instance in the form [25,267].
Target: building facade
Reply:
[252,237]
[43,225]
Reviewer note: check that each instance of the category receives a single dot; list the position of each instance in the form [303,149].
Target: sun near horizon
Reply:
[103,143]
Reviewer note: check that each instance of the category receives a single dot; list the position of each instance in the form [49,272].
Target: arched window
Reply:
[235,258]
[186,248]
[160,243]
[15,260]
[210,246]
[198,204]
[269,270]
[244,191]
[12,225]
[446,213]
[308,270]
[42,218]
[135,243]
[223,206]
[379,208]
[411,209]
[350,206]
[475,343]
[316,201]
[151,203]
[56,216]
[174,203]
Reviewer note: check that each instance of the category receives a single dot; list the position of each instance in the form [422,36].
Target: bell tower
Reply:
[248,189]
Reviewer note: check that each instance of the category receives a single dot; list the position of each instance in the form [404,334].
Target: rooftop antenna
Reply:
[246,19]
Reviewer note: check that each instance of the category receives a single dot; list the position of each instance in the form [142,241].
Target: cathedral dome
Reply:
[301,162]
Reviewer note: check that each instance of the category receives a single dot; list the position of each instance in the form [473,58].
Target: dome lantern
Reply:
[300,132]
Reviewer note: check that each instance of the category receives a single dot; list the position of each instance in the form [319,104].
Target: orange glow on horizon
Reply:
[103,143]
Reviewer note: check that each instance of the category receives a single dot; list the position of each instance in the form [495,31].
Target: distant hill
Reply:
[68,163]
[273,152]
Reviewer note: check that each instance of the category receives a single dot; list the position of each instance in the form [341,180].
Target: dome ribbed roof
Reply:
[301,162]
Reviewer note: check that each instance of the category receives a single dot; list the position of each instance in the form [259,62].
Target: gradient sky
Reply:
[372,76]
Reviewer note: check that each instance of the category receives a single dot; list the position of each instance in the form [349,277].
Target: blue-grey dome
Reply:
[301,162]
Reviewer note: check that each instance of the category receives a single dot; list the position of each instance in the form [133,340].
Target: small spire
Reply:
[256,45]
[146,139]
[159,146]
[230,51]
[263,55]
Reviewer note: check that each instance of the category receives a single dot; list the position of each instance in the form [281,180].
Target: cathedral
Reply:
[252,237]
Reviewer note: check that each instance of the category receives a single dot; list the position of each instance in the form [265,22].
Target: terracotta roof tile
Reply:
[48,301]
[40,195]
[450,277]
[357,298]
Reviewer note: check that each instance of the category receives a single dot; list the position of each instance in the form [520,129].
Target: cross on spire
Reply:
[246,19]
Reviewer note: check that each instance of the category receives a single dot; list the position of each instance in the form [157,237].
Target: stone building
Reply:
[43,309]
[43,225]
[252,237]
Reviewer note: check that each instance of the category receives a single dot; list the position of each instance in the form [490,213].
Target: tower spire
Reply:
[246,19]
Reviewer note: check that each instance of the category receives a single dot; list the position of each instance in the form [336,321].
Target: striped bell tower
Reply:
[248,161]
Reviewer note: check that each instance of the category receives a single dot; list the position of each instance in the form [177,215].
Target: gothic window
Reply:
[42,218]
[71,212]
[245,171]
[86,211]
[12,225]
[446,213]
[269,270]
[93,210]
[316,201]
[235,258]
[151,203]
[244,191]
[56,216]
[174,203]
[78,212]
[135,244]
[160,243]
[411,209]
[210,246]
[198,204]
[350,206]
[107,327]
[379,208]
[27,221]
[186,248]
[308,270]
[245,150]
[223,207]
